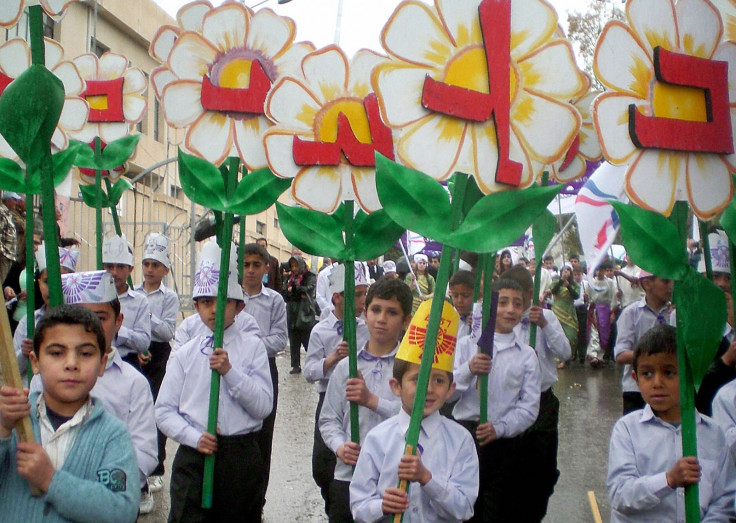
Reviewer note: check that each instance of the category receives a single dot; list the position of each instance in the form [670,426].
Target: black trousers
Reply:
[633,401]
[265,435]
[582,344]
[132,358]
[298,336]
[323,459]
[237,488]
[154,371]
[340,502]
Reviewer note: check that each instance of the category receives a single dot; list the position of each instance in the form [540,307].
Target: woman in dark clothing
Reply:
[301,308]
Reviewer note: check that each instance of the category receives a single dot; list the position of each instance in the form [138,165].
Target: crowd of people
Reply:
[114,376]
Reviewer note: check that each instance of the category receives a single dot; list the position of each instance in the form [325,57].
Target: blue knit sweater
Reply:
[98,481]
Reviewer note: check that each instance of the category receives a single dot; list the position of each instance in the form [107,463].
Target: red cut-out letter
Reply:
[712,136]
[356,153]
[4,82]
[571,153]
[495,23]
[113,91]
[225,99]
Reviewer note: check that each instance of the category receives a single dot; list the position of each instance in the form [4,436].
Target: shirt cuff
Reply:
[500,429]
[434,489]
[657,485]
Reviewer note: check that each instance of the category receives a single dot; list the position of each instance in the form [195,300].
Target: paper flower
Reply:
[657,177]
[15,58]
[727,9]
[218,67]
[446,43]
[310,108]
[115,96]
[10,10]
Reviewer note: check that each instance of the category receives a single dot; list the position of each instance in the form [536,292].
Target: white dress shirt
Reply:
[322,292]
[724,413]
[193,326]
[269,310]
[135,334]
[164,305]
[551,343]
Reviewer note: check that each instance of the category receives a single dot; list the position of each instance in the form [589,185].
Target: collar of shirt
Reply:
[363,354]
[113,358]
[141,288]
[647,415]
[79,417]
[663,311]
[259,293]
[728,333]
[429,424]
[504,341]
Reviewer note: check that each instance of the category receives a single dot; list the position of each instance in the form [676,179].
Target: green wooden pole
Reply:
[479,275]
[114,212]
[241,246]
[537,277]
[490,262]
[348,316]
[98,204]
[705,242]
[231,181]
[30,294]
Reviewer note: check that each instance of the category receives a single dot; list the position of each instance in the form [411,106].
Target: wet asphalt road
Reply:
[590,403]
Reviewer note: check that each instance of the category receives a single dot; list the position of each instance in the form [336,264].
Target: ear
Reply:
[239,306]
[450,391]
[395,386]
[636,378]
[407,321]
[119,322]
[34,362]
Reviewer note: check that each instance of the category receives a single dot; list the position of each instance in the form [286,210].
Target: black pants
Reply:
[237,488]
[539,458]
[154,371]
[582,344]
[298,336]
[340,502]
[132,358]
[323,459]
[265,435]
[633,401]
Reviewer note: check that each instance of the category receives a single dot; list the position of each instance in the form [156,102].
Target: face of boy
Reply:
[153,272]
[439,389]
[510,309]
[253,270]
[657,377]
[360,293]
[207,309]
[385,320]
[659,288]
[722,281]
[43,286]
[462,298]
[69,362]
[120,273]
[106,315]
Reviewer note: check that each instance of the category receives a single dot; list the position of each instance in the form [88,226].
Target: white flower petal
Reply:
[270,33]
[87,133]
[278,148]
[181,103]
[69,75]
[461,20]
[10,11]
[112,66]
[359,81]
[425,43]
[326,73]
[292,106]
[109,132]
[327,198]
[210,137]
[546,127]
[163,42]
[575,169]
[134,107]
[15,57]
[551,70]
[730,159]
[399,90]
[249,141]
[134,81]
[621,63]
[485,156]
[55,7]
[653,21]
[74,114]
[59,139]
[590,147]
[290,63]
[364,187]
[160,78]
[6,151]
[191,16]
[611,117]
[651,180]
[699,27]
[226,26]
[191,57]
[726,52]
[53,51]
[709,185]
[532,23]
[432,145]
[87,66]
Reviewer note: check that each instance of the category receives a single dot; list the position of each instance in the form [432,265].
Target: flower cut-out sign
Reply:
[479,87]
[218,67]
[671,102]
[11,10]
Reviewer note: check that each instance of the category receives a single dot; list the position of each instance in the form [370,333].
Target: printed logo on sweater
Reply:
[114,479]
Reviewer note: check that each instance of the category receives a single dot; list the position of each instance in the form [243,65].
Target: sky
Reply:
[362,20]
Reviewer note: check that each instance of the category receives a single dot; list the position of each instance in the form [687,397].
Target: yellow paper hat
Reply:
[412,346]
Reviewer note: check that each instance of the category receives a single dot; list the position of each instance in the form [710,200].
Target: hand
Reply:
[34,465]
[22,295]
[144,359]
[348,452]
[207,443]
[536,316]
[9,293]
[619,294]
[395,501]
[26,347]
[686,471]
[220,362]
[485,433]
[357,392]
[14,406]
[411,468]
[339,354]
[480,364]
[729,357]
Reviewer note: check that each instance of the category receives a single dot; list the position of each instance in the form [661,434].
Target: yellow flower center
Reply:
[679,102]
[235,74]
[468,69]
[326,121]
[97,102]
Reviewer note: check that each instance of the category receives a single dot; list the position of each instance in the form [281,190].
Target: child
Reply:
[444,473]
[388,311]
[326,349]
[581,312]
[85,463]
[269,310]
[602,294]
[420,282]
[134,337]
[164,305]
[23,345]
[513,392]
[646,474]
[461,292]
[635,320]
[246,398]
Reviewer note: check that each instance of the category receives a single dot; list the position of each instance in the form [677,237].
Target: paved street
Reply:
[590,403]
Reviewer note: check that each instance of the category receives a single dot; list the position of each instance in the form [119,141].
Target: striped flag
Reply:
[597,221]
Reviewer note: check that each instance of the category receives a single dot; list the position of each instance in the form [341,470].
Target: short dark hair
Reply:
[262,239]
[574,256]
[521,276]
[523,259]
[259,250]
[387,288]
[507,283]
[69,315]
[605,264]
[548,257]
[463,277]
[434,256]
[401,366]
[660,339]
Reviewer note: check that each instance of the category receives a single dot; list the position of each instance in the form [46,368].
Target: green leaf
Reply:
[651,241]
[728,218]
[85,154]
[374,234]
[499,219]
[11,176]
[202,182]
[543,230]
[312,231]
[257,191]
[118,152]
[91,197]
[472,193]
[117,190]
[64,160]
[412,199]
[701,315]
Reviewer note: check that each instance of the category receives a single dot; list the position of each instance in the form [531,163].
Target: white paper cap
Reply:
[115,250]
[88,287]
[67,258]
[337,277]
[389,267]
[157,249]
[719,255]
[207,277]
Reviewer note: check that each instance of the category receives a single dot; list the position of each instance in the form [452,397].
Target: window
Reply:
[97,48]
[48,26]
[176,192]
[142,126]
[260,228]
[275,223]
[157,125]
